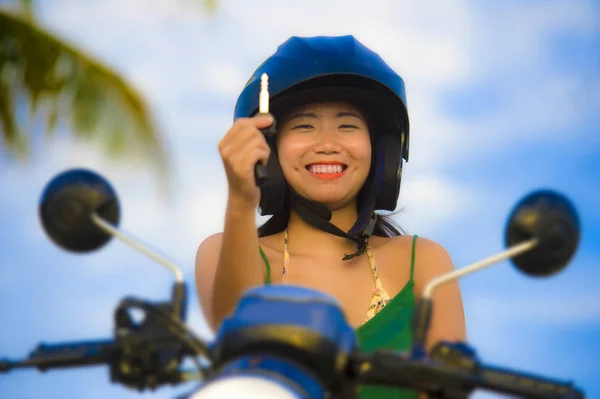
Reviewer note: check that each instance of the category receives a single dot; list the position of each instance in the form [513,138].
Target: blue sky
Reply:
[503,99]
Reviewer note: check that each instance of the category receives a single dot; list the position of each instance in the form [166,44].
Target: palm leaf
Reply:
[45,79]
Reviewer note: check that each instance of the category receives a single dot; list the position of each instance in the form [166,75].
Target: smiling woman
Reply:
[325,152]
[337,156]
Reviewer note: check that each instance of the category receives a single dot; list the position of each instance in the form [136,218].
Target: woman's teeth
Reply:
[326,168]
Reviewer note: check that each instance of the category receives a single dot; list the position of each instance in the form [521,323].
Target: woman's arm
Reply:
[228,264]
[448,318]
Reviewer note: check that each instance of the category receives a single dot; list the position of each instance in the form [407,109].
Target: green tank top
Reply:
[388,329]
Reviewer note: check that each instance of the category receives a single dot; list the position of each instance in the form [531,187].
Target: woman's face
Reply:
[325,152]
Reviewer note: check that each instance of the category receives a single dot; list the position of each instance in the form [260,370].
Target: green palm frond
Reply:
[43,77]
[210,6]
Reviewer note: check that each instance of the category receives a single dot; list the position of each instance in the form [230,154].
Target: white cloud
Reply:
[196,129]
[537,96]
[516,38]
[168,55]
[430,202]
[222,77]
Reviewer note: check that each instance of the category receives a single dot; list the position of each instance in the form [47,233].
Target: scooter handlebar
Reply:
[85,353]
[451,374]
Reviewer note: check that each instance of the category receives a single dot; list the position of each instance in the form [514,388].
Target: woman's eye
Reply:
[348,127]
[303,127]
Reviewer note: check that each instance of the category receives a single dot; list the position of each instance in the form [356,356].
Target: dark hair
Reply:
[385,226]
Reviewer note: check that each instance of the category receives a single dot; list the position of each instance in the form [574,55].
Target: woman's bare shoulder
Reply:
[404,240]
[391,243]
[210,246]
[422,245]
[432,252]
[430,257]
[431,260]
[212,239]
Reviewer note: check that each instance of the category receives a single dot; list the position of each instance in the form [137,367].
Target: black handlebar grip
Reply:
[383,367]
[526,385]
[394,369]
[6,365]
[71,354]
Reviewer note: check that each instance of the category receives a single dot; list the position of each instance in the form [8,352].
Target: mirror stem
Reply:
[135,244]
[424,309]
[509,253]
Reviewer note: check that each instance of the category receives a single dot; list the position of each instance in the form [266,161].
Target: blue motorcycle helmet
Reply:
[339,68]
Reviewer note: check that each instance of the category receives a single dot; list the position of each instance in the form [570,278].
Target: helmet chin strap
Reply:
[317,215]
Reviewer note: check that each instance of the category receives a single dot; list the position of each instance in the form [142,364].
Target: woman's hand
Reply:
[241,148]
